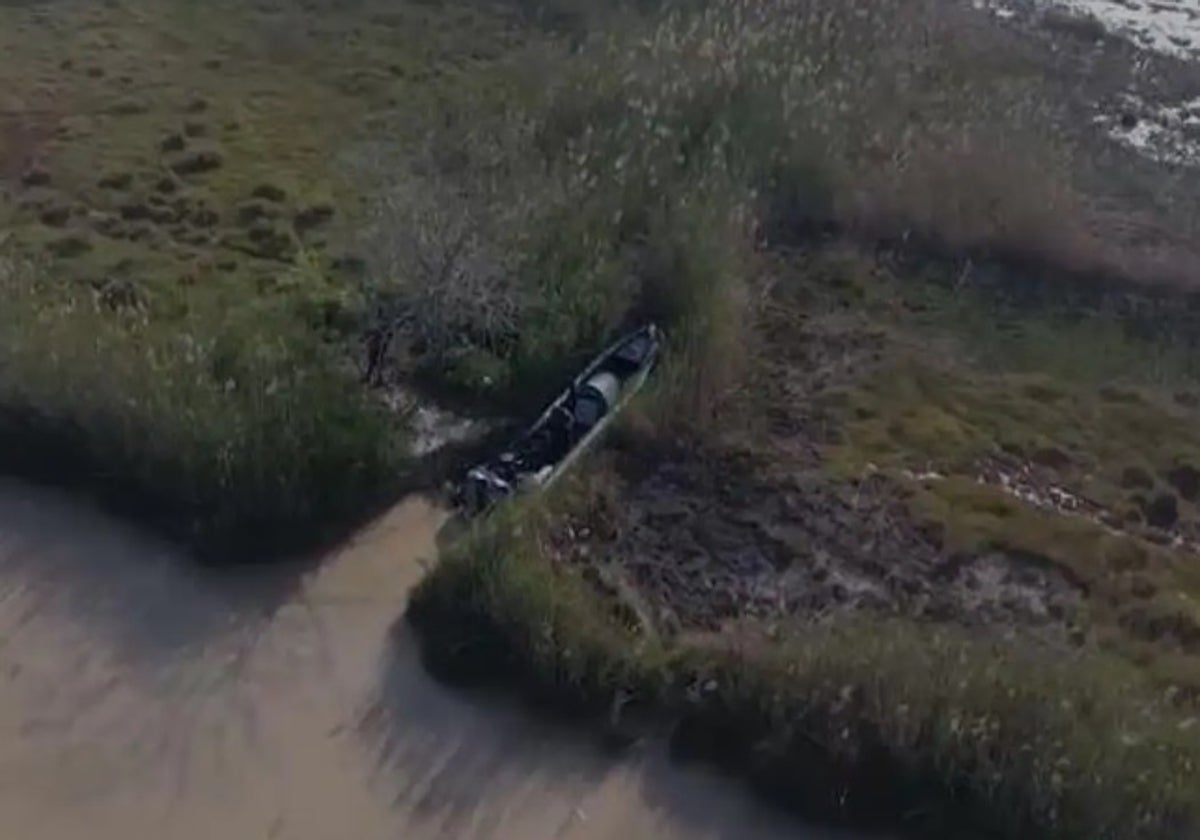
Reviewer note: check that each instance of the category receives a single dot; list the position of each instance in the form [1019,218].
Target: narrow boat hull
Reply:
[569,426]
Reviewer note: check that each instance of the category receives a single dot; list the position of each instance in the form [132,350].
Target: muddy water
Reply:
[144,697]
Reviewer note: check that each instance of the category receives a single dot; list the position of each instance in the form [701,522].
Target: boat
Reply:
[568,426]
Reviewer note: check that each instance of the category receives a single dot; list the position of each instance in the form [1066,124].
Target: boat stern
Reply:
[481,489]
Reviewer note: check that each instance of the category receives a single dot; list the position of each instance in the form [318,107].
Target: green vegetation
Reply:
[924,725]
[730,169]
[871,719]
[1122,458]
[639,179]
[233,430]
[835,208]
[120,105]
[178,196]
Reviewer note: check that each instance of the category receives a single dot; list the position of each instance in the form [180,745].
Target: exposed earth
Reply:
[710,546]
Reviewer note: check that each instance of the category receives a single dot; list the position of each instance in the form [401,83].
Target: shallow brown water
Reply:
[144,697]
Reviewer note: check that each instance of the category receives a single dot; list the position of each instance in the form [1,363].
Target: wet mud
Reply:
[706,545]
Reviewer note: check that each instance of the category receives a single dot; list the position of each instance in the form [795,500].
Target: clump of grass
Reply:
[668,145]
[513,616]
[919,411]
[872,115]
[908,717]
[512,280]
[229,425]
[863,721]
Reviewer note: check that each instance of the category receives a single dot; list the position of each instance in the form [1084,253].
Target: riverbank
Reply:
[931,595]
[905,525]
[941,596]
[872,723]
[145,697]
[904,533]
[235,435]
[179,208]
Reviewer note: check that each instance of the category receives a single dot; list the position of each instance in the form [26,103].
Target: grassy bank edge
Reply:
[875,723]
[234,432]
[60,453]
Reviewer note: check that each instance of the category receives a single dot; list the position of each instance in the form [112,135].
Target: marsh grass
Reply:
[682,148]
[232,427]
[638,172]
[865,721]
[661,157]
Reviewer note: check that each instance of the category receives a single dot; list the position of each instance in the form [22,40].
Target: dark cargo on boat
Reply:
[568,426]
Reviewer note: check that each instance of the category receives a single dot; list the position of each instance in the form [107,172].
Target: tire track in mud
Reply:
[144,696]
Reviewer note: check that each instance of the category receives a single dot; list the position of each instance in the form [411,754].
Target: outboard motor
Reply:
[595,399]
[482,489]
